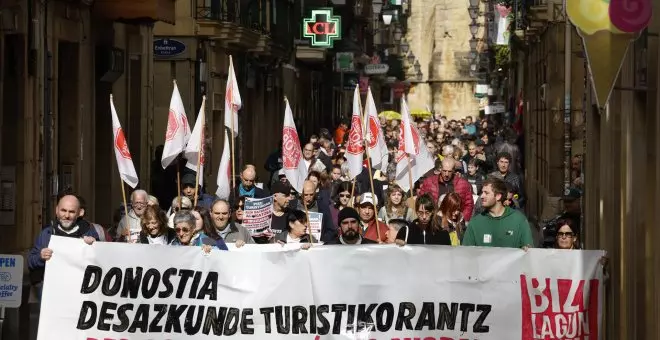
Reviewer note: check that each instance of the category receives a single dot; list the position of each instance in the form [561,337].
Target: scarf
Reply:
[246,193]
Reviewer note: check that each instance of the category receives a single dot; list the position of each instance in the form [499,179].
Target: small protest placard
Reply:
[315,222]
[258,215]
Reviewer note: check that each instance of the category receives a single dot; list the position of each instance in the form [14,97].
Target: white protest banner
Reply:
[380,292]
[315,223]
[257,215]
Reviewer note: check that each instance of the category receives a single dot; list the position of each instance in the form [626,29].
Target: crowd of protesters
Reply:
[473,197]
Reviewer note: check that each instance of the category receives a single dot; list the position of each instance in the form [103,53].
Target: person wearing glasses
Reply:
[311,162]
[184,226]
[422,230]
[178,205]
[567,235]
[341,200]
[130,226]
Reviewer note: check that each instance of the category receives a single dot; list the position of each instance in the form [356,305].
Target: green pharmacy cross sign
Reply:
[323,28]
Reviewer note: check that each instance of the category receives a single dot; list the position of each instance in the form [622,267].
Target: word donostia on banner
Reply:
[327,292]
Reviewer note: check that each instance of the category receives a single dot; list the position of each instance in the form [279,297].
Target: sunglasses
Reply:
[238,207]
[344,195]
[180,230]
[565,234]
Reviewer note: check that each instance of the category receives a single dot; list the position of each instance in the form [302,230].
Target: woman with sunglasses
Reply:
[567,235]
[154,227]
[184,226]
[341,200]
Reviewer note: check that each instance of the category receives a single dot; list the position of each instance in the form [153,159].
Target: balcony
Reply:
[224,20]
[277,39]
[136,10]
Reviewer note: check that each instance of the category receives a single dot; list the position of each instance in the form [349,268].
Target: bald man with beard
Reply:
[67,223]
[247,188]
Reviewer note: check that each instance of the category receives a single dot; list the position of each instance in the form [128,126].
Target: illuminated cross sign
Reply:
[323,28]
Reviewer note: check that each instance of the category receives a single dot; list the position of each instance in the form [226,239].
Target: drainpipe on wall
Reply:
[568,54]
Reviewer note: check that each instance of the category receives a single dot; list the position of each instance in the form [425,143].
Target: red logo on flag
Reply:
[402,140]
[291,153]
[559,308]
[374,132]
[172,126]
[121,145]
[355,145]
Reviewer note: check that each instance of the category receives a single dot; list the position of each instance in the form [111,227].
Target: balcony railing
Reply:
[222,11]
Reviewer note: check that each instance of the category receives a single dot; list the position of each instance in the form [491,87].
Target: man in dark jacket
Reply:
[447,181]
[247,187]
[67,224]
[188,182]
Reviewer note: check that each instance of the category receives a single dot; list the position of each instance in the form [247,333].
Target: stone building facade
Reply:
[438,32]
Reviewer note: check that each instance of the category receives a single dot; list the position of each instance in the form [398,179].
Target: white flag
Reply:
[355,145]
[178,129]
[233,101]
[123,155]
[195,147]
[375,139]
[224,172]
[413,148]
[294,164]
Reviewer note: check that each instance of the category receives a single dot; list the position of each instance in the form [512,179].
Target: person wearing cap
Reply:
[279,223]
[188,183]
[350,232]
[372,229]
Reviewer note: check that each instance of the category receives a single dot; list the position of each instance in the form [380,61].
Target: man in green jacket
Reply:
[498,225]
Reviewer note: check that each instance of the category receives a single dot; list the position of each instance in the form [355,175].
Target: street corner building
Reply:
[60,61]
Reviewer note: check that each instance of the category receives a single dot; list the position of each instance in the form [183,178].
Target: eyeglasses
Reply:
[562,234]
[182,230]
[139,204]
[180,209]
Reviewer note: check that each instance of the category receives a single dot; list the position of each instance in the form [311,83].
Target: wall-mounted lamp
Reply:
[376,6]
[419,75]
[357,8]
[473,43]
[417,66]
[398,34]
[474,12]
[404,46]
[474,27]
[411,58]
[387,17]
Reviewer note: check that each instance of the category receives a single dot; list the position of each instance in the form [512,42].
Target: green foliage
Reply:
[502,56]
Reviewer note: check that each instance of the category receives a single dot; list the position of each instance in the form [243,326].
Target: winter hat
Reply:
[347,212]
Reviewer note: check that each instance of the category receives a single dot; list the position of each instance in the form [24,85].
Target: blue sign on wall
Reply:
[166,47]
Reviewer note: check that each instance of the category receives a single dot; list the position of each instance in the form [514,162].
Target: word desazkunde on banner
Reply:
[380,292]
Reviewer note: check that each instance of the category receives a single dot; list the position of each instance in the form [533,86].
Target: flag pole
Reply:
[350,203]
[178,170]
[309,227]
[410,176]
[371,178]
[233,142]
[200,151]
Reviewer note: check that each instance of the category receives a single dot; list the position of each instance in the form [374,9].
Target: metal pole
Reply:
[2,320]
[568,32]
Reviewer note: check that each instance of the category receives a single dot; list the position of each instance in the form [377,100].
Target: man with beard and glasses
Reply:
[349,228]
[498,225]
[67,223]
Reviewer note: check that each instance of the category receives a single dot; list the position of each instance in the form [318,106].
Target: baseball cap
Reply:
[280,188]
[368,198]
[188,179]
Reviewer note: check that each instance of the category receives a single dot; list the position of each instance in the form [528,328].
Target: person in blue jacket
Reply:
[67,223]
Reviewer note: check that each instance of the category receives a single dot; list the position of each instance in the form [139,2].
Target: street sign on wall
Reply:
[166,47]
[373,69]
[322,28]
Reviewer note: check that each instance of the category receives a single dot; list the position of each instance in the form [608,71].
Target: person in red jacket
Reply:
[370,224]
[448,181]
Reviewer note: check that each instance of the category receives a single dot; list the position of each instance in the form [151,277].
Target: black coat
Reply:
[417,235]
